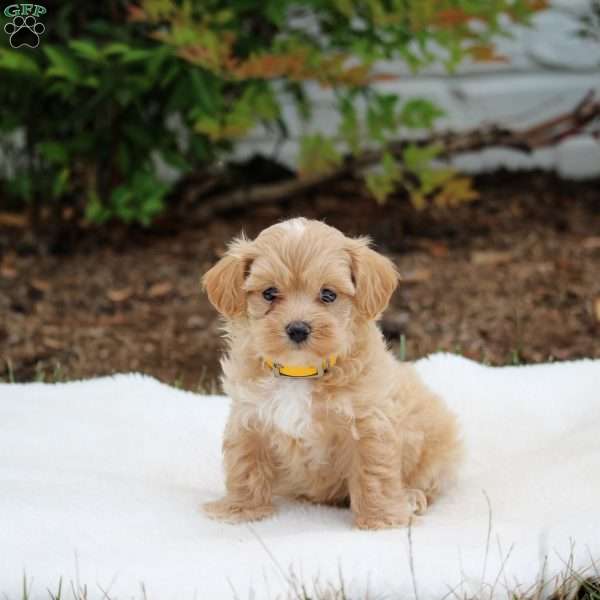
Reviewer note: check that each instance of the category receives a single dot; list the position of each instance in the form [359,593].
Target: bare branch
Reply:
[544,134]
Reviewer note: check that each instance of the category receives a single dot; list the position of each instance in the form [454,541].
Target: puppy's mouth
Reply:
[297,353]
[296,341]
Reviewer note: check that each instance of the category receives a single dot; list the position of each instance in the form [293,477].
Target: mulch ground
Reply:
[514,276]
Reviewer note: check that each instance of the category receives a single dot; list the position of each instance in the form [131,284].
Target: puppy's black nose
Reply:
[298,331]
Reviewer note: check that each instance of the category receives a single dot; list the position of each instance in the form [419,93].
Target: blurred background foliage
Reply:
[114,87]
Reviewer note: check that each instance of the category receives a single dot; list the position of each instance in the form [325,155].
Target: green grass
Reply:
[514,357]
[402,348]
[206,384]
[10,374]
[56,373]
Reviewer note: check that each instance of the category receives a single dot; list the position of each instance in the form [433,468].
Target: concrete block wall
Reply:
[550,69]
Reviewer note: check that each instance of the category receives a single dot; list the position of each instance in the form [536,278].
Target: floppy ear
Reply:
[375,278]
[224,282]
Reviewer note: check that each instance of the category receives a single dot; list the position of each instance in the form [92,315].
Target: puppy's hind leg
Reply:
[378,495]
[438,465]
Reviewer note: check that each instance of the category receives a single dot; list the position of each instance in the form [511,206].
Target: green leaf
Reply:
[115,48]
[61,64]
[390,166]
[208,126]
[276,12]
[386,107]
[12,60]
[90,81]
[86,49]
[381,117]
[136,55]
[318,154]
[432,179]
[139,200]
[95,211]
[60,183]
[204,89]
[54,152]
[383,181]
[345,7]
[419,113]
[416,158]
[349,125]
[379,186]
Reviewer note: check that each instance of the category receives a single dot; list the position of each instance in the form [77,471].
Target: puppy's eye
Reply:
[270,294]
[328,295]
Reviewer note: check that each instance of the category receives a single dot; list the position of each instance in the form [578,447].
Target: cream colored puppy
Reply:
[321,410]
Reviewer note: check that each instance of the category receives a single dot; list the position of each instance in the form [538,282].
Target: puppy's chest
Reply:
[287,405]
[305,435]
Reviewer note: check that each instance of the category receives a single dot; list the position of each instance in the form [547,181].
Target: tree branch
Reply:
[544,134]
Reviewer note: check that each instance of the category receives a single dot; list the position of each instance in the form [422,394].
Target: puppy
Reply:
[321,410]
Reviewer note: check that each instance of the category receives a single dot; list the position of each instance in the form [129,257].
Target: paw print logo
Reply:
[24,31]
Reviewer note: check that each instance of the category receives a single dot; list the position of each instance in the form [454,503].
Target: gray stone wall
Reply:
[550,69]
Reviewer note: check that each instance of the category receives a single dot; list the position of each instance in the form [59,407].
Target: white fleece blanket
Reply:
[100,484]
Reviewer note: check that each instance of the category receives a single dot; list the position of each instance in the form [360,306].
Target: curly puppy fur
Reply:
[368,433]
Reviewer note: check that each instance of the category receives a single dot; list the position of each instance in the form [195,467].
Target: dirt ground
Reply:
[512,277]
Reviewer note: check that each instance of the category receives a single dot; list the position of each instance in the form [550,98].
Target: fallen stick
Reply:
[544,134]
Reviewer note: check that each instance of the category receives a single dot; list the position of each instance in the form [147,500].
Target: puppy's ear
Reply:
[224,282]
[375,278]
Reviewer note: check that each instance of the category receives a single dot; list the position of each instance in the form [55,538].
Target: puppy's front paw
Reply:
[236,511]
[380,521]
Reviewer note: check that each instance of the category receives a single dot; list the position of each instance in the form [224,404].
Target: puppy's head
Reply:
[301,289]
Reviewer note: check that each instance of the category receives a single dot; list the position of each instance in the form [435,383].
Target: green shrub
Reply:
[113,85]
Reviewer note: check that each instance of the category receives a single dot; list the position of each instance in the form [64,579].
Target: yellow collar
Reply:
[280,370]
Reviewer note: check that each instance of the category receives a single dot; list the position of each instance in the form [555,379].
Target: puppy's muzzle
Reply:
[298,331]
